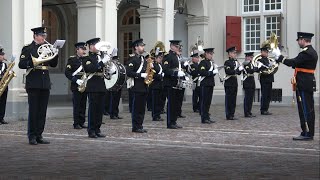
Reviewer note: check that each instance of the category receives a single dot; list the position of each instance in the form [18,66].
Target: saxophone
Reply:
[82,87]
[150,72]
[8,75]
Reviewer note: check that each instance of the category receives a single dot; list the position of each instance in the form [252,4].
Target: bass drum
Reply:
[117,79]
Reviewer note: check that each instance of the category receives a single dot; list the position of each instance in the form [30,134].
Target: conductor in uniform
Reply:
[37,85]
[136,71]
[266,81]
[207,71]
[172,71]
[74,71]
[3,98]
[249,85]
[96,89]
[304,82]
[232,69]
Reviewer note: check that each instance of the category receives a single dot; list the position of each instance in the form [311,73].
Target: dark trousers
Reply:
[156,103]
[248,100]
[107,102]
[180,101]
[172,105]
[138,109]
[195,99]
[95,112]
[305,103]
[130,100]
[149,100]
[266,90]
[114,103]
[3,103]
[163,95]
[230,100]
[38,103]
[79,101]
[206,98]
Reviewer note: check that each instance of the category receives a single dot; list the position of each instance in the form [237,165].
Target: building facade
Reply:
[245,23]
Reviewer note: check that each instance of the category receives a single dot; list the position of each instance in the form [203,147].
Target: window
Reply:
[260,19]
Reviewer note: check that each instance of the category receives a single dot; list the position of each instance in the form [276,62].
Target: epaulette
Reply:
[72,56]
[27,44]
[132,55]
[304,49]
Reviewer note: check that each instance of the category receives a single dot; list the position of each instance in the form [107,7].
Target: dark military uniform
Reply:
[304,64]
[231,87]
[79,99]
[207,84]
[38,87]
[3,98]
[96,90]
[113,103]
[139,90]
[266,81]
[194,72]
[170,80]
[156,88]
[249,87]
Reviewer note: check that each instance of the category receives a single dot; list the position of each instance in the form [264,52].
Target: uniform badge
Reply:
[68,66]
[130,65]
[193,69]
[22,56]
[166,62]
[228,67]
[247,67]
[202,67]
[88,62]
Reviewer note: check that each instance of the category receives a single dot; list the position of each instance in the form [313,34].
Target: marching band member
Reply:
[3,98]
[38,85]
[304,82]
[74,72]
[194,72]
[249,85]
[232,69]
[207,71]
[266,81]
[95,88]
[157,86]
[136,71]
[181,90]
[172,71]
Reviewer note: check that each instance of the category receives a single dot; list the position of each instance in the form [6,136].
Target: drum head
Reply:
[117,79]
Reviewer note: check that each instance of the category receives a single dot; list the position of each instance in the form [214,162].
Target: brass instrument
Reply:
[158,48]
[273,68]
[7,77]
[46,53]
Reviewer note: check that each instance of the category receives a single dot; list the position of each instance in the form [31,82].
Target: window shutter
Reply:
[233,32]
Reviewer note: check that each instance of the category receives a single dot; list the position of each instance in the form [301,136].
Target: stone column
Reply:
[110,21]
[151,20]
[19,17]
[90,18]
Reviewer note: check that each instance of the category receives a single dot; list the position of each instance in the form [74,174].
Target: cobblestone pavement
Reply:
[257,148]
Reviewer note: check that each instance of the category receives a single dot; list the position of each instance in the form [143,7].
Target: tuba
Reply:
[46,53]
[273,68]
[158,48]
[7,77]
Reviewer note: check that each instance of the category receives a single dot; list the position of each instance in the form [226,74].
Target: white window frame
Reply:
[250,12]
[263,14]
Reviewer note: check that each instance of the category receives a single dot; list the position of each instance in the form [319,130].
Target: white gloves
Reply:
[54,50]
[276,53]
[259,64]
[215,71]
[181,74]
[79,82]
[185,63]
[105,59]
[112,70]
[143,75]
[162,74]
[241,68]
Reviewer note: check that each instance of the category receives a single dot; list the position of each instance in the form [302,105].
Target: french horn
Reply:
[46,52]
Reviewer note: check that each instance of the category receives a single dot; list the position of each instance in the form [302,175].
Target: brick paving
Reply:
[257,148]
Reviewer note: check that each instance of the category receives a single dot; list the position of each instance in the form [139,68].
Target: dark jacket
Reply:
[158,79]
[2,65]
[307,59]
[132,68]
[74,62]
[37,78]
[249,70]
[204,68]
[91,65]
[265,78]
[229,68]
[194,72]
[170,69]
